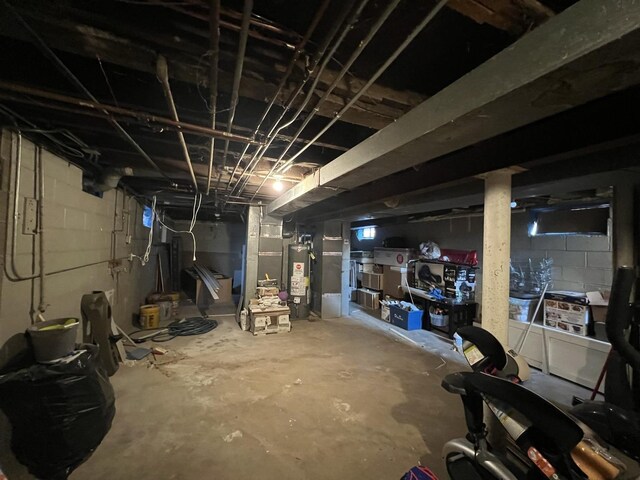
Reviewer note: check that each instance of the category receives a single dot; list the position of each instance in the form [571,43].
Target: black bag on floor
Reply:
[59,413]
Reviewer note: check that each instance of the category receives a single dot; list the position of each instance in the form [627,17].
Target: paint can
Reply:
[154,297]
[149,316]
[175,301]
[166,310]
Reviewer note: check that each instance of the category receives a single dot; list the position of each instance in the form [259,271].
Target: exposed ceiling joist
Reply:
[513,16]
[138,51]
[588,51]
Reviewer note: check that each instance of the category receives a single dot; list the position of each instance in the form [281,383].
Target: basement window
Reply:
[366,233]
[147,216]
[577,220]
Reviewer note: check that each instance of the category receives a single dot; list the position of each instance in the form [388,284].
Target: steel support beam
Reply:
[586,52]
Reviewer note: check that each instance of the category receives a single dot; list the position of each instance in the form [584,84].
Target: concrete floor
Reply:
[342,398]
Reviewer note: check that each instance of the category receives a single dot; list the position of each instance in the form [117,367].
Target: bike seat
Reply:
[488,345]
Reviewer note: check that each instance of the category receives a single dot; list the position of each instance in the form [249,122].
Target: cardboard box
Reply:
[394,279]
[267,291]
[394,257]
[599,303]
[568,311]
[385,312]
[374,281]
[224,294]
[368,298]
[409,320]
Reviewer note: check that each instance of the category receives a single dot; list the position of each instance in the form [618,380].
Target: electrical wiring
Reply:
[145,258]
[197,201]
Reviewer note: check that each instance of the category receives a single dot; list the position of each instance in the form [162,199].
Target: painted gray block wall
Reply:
[581,263]
[80,229]
[79,232]
[218,245]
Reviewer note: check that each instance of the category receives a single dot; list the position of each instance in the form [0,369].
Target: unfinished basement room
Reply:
[320,239]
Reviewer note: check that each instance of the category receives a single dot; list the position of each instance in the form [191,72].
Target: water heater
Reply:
[299,275]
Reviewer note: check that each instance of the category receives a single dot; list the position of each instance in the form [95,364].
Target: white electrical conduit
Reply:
[237,76]
[13,275]
[197,201]
[328,56]
[43,304]
[345,68]
[328,38]
[162,72]
[299,49]
[371,81]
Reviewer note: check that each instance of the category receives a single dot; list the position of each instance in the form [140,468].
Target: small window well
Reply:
[366,233]
[576,220]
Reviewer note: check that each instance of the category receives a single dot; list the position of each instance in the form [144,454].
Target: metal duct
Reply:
[111,177]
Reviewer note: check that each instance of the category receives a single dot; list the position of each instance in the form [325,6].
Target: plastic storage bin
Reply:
[404,319]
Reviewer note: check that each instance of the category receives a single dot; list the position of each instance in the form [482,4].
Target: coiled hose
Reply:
[180,328]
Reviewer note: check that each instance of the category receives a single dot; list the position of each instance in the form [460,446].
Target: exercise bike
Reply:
[616,419]
[615,425]
[547,443]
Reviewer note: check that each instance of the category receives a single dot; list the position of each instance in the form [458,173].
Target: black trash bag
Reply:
[59,413]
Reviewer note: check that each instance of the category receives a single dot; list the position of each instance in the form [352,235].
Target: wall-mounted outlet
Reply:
[127,239]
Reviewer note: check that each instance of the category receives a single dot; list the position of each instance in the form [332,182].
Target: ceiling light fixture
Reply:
[277,185]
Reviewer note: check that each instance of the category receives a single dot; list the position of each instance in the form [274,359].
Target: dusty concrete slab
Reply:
[332,399]
[344,398]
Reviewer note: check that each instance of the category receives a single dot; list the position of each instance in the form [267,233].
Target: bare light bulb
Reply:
[277,186]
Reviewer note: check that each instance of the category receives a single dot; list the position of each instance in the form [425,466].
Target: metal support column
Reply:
[496,254]
[251,260]
[346,266]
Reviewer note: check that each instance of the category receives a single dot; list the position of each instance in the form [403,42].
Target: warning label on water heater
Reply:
[298,269]
[297,286]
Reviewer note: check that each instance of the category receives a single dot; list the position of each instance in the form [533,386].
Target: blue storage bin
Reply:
[407,320]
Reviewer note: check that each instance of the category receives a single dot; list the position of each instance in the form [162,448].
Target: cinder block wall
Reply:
[218,245]
[83,233]
[581,263]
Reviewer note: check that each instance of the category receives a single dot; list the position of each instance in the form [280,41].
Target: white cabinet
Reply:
[573,357]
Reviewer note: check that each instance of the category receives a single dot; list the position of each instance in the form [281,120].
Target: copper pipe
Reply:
[88,107]
[214,46]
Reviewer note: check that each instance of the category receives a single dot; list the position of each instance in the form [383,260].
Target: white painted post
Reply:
[496,254]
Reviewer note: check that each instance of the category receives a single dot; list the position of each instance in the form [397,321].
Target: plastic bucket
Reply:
[175,302]
[53,339]
[150,316]
[166,310]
